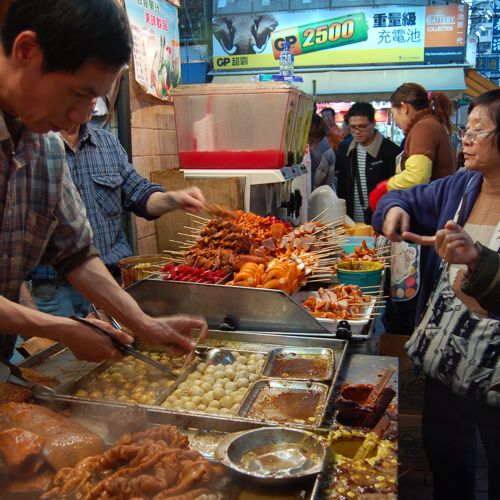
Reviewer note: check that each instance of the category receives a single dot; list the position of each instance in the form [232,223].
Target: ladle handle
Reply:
[384,379]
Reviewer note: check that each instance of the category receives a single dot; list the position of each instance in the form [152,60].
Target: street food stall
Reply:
[272,403]
[271,397]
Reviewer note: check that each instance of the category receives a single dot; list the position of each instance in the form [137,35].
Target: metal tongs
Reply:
[13,374]
[126,349]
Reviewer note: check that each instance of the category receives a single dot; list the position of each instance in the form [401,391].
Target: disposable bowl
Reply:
[359,272]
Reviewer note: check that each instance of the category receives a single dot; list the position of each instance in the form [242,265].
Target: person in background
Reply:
[334,134]
[322,155]
[456,341]
[428,154]
[106,182]
[368,159]
[56,57]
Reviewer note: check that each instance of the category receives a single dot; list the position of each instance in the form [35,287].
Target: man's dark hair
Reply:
[330,110]
[362,109]
[71,32]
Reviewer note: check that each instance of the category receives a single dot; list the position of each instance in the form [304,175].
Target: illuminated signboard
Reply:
[341,37]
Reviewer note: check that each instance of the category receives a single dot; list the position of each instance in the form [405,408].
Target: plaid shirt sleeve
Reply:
[73,232]
[135,188]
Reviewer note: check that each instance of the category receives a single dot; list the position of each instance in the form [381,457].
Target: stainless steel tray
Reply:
[205,396]
[249,309]
[263,389]
[307,353]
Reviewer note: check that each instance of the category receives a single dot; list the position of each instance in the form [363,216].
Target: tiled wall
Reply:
[154,148]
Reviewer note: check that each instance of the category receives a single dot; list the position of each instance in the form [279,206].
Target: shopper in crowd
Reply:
[106,182]
[322,155]
[334,133]
[56,57]
[368,159]
[456,341]
[428,154]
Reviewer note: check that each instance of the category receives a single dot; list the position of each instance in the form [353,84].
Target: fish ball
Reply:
[226,402]
[209,379]
[237,397]
[242,359]
[196,400]
[219,374]
[209,396]
[234,408]
[219,393]
[253,377]
[198,381]
[230,387]
[230,372]
[243,382]
[206,386]
[242,374]
[214,404]
[201,367]
[210,369]
[196,390]
[189,405]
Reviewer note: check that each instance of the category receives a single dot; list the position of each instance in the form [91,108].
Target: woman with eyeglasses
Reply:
[457,339]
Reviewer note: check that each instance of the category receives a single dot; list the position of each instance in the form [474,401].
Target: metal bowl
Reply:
[273,454]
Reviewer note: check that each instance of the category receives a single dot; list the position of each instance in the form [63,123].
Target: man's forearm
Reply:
[95,282]
[160,203]
[17,319]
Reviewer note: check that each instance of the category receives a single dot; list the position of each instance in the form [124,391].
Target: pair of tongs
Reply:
[126,349]
[14,375]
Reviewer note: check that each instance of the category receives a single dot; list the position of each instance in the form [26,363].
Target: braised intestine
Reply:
[156,463]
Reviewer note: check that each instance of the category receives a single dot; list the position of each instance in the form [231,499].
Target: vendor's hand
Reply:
[174,331]
[396,222]
[90,345]
[190,199]
[452,244]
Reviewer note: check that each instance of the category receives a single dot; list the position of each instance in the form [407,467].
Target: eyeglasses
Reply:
[471,135]
[363,126]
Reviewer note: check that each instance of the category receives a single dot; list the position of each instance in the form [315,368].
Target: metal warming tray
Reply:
[228,307]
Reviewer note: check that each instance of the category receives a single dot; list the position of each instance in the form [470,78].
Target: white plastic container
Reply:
[325,205]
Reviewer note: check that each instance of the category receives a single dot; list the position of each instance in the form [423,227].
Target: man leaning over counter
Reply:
[56,57]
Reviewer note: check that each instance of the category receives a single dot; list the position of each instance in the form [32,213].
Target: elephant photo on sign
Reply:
[244,33]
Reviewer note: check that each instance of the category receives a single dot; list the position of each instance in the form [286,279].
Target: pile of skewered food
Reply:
[339,302]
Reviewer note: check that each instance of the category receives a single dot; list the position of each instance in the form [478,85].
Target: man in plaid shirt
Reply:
[106,182]
[56,57]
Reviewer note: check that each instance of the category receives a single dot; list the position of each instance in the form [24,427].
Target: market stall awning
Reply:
[367,84]
[477,84]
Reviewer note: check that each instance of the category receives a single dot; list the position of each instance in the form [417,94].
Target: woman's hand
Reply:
[396,222]
[452,244]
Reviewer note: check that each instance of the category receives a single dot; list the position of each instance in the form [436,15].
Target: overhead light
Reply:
[482,28]
[478,33]
[489,12]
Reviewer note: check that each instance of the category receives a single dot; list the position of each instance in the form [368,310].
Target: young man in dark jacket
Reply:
[369,159]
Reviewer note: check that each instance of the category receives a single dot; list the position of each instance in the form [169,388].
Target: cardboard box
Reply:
[412,455]
[411,385]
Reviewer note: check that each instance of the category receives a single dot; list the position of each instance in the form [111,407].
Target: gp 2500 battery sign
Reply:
[388,34]
[323,35]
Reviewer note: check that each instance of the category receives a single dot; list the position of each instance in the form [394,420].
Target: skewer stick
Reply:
[319,215]
[200,217]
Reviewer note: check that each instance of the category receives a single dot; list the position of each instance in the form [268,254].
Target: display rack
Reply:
[252,177]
